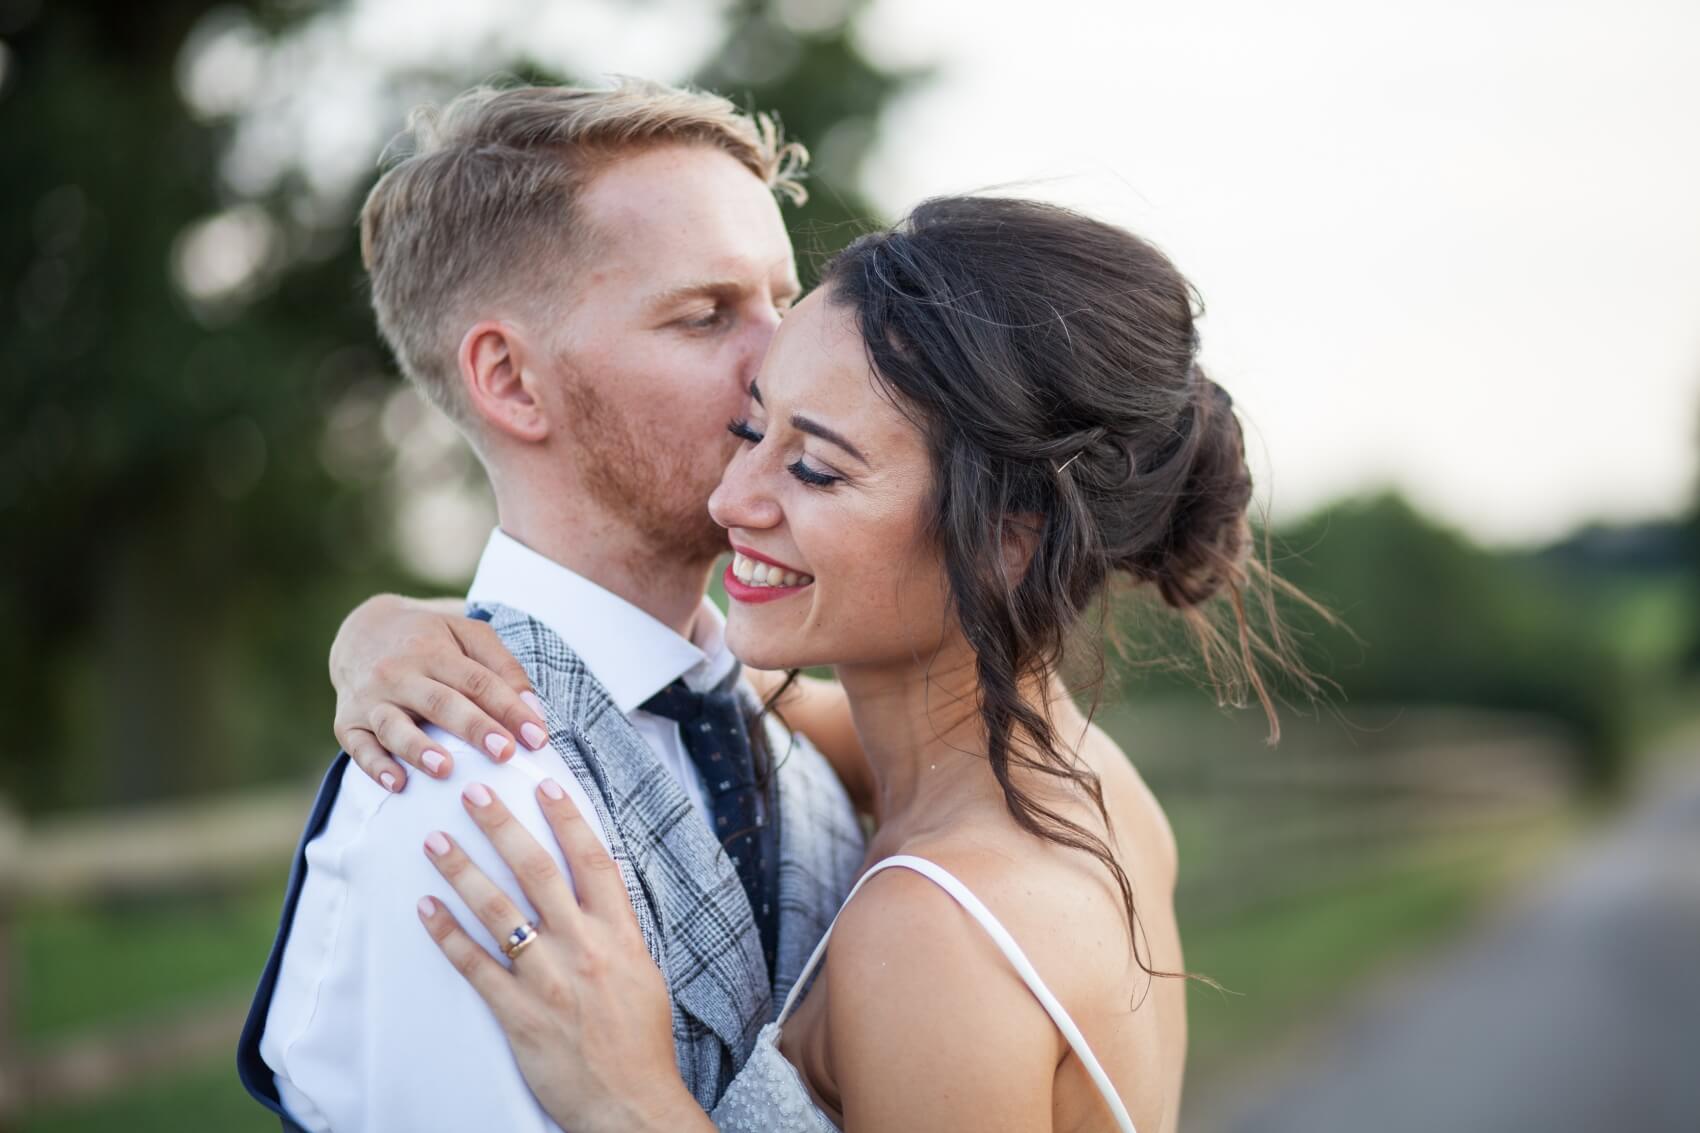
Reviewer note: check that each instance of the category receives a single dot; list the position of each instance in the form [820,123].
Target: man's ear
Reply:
[1020,535]
[497,375]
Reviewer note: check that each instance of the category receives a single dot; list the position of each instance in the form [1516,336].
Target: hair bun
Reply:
[1208,536]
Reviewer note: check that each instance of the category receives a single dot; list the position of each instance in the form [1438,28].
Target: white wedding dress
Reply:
[768,1095]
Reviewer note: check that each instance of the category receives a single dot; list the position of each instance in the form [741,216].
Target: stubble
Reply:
[658,485]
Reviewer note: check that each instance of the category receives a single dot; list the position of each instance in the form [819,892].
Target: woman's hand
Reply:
[397,661]
[584,1007]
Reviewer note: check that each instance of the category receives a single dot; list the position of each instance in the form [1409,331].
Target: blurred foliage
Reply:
[826,95]
[184,529]
[171,529]
[1580,632]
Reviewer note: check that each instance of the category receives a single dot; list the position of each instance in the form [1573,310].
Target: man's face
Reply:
[687,274]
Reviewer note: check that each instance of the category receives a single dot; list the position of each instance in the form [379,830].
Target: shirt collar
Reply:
[632,654]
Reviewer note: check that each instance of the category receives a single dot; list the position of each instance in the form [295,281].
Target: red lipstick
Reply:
[740,591]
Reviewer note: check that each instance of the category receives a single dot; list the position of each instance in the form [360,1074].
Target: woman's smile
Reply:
[756,578]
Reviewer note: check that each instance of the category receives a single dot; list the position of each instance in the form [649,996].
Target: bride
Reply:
[975,424]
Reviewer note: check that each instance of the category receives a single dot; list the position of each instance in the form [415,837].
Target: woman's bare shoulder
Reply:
[1141,826]
[1060,906]
[919,1004]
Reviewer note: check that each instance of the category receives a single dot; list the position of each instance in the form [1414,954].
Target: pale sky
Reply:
[1452,246]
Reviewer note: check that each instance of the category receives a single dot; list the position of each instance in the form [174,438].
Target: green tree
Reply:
[1440,620]
[168,518]
[826,93]
[179,545]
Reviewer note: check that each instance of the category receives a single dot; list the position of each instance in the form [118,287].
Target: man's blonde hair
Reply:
[482,202]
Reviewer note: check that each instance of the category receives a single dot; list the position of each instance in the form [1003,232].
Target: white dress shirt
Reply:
[369,1026]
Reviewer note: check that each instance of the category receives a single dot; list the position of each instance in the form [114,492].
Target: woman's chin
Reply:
[760,651]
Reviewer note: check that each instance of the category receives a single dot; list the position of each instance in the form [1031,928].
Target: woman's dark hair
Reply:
[1050,360]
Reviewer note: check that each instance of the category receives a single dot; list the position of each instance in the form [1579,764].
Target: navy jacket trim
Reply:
[250,1067]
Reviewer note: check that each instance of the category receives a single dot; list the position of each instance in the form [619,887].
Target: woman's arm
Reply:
[397,662]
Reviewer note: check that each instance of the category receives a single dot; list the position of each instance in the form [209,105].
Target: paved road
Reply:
[1578,1010]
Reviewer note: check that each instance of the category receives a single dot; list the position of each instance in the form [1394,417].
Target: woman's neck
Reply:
[919,722]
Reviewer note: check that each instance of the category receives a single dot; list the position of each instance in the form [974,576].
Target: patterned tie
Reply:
[717,737]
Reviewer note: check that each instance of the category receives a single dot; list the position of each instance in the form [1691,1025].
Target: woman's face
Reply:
[824,503]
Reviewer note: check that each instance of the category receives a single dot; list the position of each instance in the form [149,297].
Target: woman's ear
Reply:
[1018,543]
[500,385]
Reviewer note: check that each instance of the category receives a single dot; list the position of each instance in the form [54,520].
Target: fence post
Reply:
[11,1062]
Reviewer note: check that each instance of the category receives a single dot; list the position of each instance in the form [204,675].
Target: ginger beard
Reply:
[657,481]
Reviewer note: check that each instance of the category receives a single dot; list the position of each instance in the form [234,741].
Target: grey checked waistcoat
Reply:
[690,904]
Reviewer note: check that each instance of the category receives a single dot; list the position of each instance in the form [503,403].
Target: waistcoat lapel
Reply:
[691,906]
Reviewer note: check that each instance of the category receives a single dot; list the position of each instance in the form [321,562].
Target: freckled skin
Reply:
[880,589]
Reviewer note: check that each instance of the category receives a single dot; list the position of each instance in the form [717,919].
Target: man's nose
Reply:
[756,342]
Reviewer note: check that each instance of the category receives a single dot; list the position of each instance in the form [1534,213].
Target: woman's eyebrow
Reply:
[814,428]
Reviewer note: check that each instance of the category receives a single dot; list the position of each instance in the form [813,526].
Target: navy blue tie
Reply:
[717,738]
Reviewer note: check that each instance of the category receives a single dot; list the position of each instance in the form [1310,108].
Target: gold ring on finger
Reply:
[520,939]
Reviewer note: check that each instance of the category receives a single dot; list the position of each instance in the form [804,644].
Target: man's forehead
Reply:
[693,207]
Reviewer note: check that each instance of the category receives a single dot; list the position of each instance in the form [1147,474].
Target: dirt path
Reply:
[1577,1009]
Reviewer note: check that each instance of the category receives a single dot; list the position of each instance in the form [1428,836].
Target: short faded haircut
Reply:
[481,200]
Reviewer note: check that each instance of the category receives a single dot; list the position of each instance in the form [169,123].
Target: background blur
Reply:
[1452,261]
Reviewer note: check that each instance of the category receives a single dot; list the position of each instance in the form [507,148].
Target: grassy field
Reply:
[205,1097]
[1284,963]
[121,966]
[166,952]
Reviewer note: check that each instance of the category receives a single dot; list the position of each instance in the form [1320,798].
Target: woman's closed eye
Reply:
[740,427]
[812,477]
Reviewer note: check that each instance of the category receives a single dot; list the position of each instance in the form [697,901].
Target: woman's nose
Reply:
[742,500]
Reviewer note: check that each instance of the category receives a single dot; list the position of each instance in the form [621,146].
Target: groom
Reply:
[585,281]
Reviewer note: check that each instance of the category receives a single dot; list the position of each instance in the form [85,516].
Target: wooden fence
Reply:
[225,843]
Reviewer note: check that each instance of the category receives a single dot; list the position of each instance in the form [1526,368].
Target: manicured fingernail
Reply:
[434,762]
[495,743]
[427,907]
[437,842]
[552,789]
[388,780]
[534,737]
[532,703]
[477,794]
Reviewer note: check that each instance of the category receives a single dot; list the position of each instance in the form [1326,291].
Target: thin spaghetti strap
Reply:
[1012,952]
[820,949]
